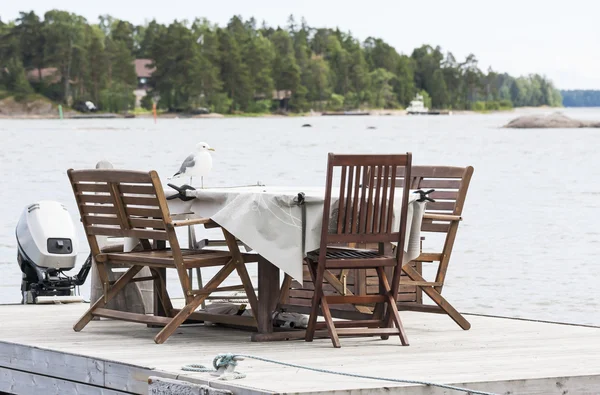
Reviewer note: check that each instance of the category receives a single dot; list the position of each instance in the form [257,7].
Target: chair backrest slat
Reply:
[121,203]
[450,184]
[355,200]
[349,205]
[110,175]
[391,199]
[341,205]
[363,200]
[365,209]
[375,224]
[383,218]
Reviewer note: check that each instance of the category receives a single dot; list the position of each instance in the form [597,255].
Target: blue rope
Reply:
[223,360]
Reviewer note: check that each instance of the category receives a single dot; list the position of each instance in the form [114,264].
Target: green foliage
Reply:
[221,103]
[319,87]
[478,106]
[581,98]
[286,73]
[382,92]
[260,57]
[495,105]
[64,34]
[234,71]
[491,105]
[260,106]
[30,30]
[147,102]
[116,98]
[534,90]
[336,102]
[177,79]
[16,81]
[352,100]
[209,62]
[426,98]
[237,67]
[439,90]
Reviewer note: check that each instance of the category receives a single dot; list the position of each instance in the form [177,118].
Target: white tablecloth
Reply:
[268,220]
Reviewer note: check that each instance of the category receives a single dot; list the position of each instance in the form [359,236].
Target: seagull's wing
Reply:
[190,161]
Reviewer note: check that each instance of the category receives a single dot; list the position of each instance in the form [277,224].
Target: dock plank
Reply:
[502,353]
[18,382]
[45,362]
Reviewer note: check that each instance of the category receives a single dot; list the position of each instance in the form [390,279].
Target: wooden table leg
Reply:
[158,307]
[268,295]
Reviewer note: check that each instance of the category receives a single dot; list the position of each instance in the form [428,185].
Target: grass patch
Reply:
[141,111]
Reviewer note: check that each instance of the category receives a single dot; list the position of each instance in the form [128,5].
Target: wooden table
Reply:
[254,215]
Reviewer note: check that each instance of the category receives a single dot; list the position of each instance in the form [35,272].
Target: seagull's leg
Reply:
[191,181]
[202,182]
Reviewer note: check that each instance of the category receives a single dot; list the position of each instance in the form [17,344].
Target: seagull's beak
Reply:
[211,149]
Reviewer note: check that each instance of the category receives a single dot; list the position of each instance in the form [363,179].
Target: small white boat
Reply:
[416,106]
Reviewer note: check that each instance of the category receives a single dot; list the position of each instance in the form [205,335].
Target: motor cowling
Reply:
[46,235]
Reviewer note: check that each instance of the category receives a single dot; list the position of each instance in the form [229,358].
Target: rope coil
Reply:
[225,360]
[220,361]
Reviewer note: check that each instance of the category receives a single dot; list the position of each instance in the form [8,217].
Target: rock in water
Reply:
[555,120]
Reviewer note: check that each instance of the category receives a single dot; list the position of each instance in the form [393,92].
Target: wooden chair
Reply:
[364,215]
[132,204]
[443,216]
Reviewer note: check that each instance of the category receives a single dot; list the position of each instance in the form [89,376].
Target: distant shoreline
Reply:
[74,115]
[77,116]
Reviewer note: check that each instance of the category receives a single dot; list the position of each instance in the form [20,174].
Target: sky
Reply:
[556,38]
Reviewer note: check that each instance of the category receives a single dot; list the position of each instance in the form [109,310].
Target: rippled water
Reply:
[529,244]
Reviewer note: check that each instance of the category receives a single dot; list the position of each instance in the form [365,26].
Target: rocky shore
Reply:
[554,120]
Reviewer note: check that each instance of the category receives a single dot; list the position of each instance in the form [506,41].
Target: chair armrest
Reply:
[177,216]
[119,248]
[193,221]
[442,217]
[112,248]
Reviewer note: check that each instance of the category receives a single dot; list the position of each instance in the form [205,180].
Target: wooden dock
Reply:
[40,353]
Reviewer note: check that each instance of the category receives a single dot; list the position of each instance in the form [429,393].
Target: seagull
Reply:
[197,164]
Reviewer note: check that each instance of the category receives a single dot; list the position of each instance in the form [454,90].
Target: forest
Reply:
[237,68]
[581,98]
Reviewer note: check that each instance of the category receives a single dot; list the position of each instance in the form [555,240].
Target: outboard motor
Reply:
[48,245]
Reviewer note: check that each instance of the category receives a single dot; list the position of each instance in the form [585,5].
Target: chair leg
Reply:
[191,306]
[242,271]
[447,307]
[329,321]
[179,319]
[438,299]
[285,290]
[316,273]
[380,311]
[163,296]
[392,316]
[109,294]
[395,316]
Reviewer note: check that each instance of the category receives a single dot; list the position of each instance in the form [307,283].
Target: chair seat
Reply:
[164,258]
[337,257]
